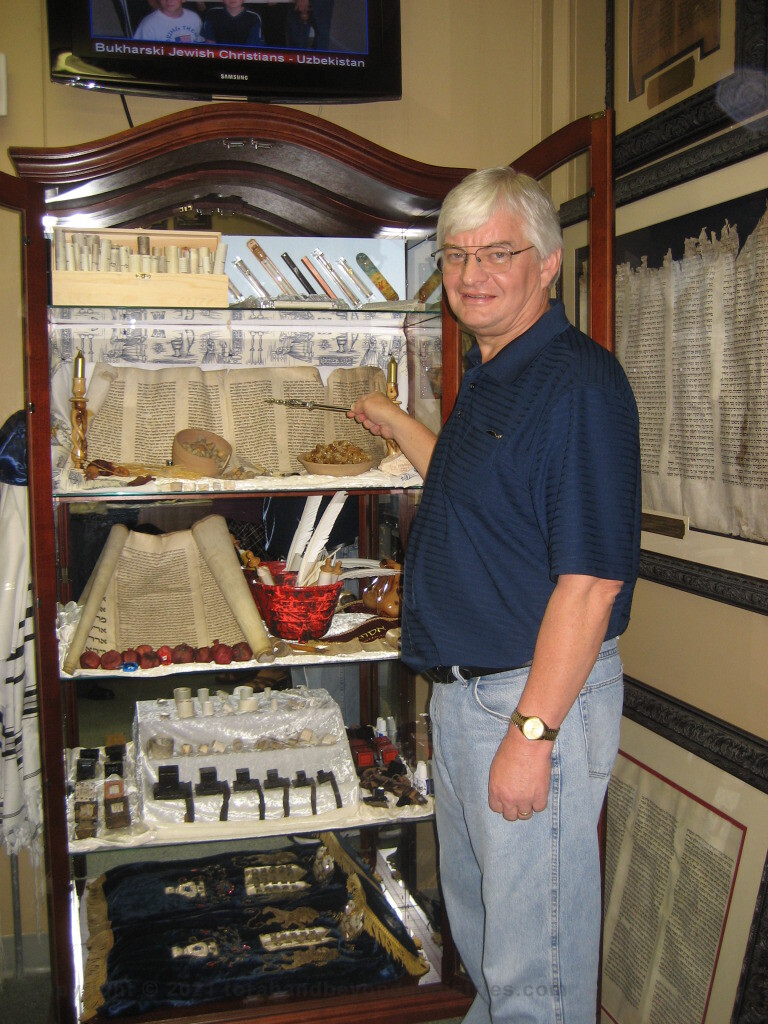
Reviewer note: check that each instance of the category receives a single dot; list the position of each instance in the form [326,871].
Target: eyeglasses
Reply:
[494,259]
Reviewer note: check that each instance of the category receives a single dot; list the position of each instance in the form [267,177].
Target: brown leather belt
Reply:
[444,673]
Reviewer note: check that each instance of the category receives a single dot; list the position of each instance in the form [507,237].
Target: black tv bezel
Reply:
[73,62]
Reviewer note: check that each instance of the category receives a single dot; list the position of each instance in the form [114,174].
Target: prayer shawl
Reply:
[20,789]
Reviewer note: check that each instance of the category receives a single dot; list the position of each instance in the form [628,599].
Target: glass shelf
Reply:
[296,483]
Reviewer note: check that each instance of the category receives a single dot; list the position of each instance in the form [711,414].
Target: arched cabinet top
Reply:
[288,169]
[292,173]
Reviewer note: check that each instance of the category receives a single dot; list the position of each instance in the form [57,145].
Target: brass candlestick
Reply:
[393,448]
[79,415]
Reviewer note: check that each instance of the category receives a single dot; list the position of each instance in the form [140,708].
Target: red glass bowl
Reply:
[291,612]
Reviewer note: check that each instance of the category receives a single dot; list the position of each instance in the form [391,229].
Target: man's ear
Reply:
[550,268]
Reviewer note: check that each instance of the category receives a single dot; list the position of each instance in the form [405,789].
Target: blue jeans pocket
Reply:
[600,705]
[500,697]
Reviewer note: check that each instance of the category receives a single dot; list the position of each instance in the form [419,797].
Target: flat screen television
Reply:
[290,51]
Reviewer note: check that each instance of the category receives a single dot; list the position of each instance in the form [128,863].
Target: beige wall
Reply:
[33,914]
[702,652]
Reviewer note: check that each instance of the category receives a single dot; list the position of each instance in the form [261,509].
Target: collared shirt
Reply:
[536,473]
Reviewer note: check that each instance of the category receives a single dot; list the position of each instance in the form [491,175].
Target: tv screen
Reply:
[291,51]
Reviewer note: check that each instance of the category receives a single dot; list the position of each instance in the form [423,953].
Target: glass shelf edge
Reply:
[193,834]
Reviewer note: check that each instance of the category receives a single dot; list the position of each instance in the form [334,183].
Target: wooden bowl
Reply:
[336,468]
[201,451]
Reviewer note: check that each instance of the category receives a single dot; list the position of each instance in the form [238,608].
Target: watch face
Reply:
[533,728]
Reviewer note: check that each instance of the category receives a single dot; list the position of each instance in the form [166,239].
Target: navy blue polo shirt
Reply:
[535,473]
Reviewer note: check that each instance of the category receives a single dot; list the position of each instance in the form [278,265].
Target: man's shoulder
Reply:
[583,356]
[564,341]
[575,363]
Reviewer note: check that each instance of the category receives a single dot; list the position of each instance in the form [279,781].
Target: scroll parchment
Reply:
[181,587]
[691,336]
[135,412]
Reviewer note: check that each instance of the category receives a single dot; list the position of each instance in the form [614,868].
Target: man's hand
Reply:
[376,413]
[567,647]
[520,773]
[383,418]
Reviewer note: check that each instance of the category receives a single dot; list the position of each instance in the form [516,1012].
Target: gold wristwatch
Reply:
[533,728]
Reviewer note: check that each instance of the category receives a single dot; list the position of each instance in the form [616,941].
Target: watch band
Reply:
[533,727]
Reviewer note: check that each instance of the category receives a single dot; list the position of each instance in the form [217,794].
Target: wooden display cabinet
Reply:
[292,174]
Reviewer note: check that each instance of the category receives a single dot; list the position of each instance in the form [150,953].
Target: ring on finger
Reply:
[525,814]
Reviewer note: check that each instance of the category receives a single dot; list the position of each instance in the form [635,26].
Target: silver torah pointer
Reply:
[297,403]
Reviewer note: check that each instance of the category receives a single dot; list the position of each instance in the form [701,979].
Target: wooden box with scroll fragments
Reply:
[133,267]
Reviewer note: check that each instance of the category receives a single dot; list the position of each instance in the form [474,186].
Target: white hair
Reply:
[475,199]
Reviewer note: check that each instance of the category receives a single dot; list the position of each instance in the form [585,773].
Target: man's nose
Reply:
[473,268]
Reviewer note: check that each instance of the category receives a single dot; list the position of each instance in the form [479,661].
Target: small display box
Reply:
[133,267]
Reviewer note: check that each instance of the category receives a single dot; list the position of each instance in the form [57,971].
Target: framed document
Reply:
[678,72]
[727,206]
[687,839]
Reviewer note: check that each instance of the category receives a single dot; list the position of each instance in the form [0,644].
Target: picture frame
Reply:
[726,770]
[738,574]
[734,89]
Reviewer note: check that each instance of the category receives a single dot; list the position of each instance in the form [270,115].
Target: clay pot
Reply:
[382,596]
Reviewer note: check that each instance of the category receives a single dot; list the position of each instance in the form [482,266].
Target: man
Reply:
[518,578]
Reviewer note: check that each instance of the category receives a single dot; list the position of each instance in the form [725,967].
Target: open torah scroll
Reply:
[182,587]
[134,413]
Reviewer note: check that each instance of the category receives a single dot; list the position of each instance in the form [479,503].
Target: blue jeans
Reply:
[523,897]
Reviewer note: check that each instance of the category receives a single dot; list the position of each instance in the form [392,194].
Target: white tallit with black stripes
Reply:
[20,792]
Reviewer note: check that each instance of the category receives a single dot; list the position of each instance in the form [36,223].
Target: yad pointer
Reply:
[297,403]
